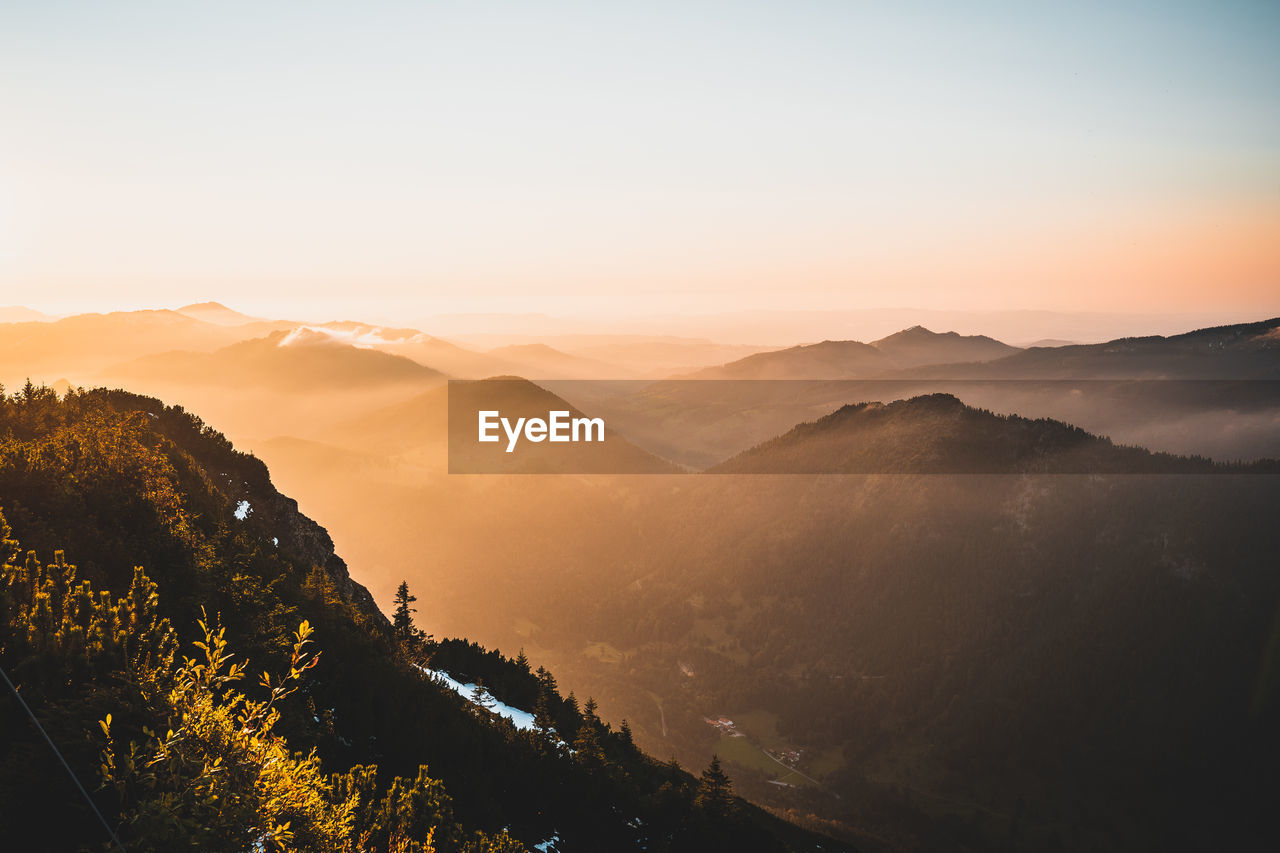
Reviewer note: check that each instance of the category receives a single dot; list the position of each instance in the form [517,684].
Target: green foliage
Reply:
[220,778]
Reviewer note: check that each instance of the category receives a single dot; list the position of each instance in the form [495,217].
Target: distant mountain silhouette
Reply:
[1051,342]
[295,360]
[855,360]
[937,433]
[825,360]
[414,344]
[216,313]
[645,356]
[534,361]
[539,361]
[78,347]
[1241,351]
[917,345]
[22,314]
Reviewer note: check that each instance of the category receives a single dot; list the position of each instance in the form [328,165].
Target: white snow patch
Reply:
[242,510]
[520,719]
[275,541]
[547,846]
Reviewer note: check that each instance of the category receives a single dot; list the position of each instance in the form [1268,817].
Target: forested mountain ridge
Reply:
[1235,352]
[1016,661]
[115,481]
[938,434]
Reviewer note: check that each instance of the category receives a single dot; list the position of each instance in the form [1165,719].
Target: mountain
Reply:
[1204,393]
[298,382]
[1241,351]
[413,344]
[852,360]
[1050,342]
[1011,661]
[938,434]
[534,361]
[19,314]
[783,327]
[216,313]
[918,346]
[826,360]
[149,539]
[300,359]
[80,346]
[640,355]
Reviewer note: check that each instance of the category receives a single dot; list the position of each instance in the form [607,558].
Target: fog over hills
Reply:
[296,360]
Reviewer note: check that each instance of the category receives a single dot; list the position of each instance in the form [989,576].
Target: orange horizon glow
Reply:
[645,159]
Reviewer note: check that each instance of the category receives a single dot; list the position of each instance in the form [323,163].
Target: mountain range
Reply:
[987,633]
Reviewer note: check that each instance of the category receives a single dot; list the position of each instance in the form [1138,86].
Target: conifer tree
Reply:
[542,719]
[715,790]
[402,617]
[480,695]
[547,680]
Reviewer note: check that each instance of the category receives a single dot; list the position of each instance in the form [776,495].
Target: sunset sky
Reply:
[406,159]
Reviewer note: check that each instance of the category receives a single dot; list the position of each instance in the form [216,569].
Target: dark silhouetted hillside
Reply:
[938,434]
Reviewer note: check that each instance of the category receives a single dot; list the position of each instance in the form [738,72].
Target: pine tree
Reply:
[547,680]
[481,696]
[542,719]
[402,618]
[715,790]
[522,661]
[587,741]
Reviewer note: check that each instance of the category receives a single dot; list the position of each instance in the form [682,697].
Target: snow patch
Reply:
[520,719]
[242,510]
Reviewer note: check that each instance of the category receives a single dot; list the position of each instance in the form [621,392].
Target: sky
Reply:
[607,158]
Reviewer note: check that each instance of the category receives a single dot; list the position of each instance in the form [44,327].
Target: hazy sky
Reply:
[612,157]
